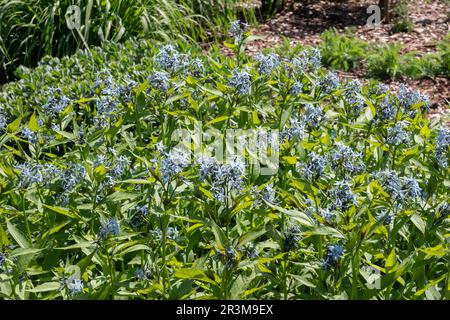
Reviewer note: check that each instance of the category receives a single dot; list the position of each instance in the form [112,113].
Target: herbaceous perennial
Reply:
[103,197]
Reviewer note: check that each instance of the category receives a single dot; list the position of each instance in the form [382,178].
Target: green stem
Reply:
[27,226]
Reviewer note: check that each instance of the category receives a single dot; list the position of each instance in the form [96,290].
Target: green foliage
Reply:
[384,63]
[401,21]
[32,29]
[345,52]
[342,52]
[92,206]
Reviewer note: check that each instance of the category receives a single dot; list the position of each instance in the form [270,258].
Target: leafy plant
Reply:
[32,29]
[342,52]
[99,200]
[401,21]
[385,62]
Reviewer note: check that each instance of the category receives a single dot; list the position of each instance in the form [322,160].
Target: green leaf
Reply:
[216,120]
[63,211]
[33,123]
[193,274]
[25,251]
[219,235]
[49,286]
[17,235]
[14,126]
[391,260]
[250,236]
[300,217]
[419,223]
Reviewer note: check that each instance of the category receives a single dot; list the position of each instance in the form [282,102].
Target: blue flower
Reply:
[250,251]
[237,30]
[398,135]
[109,227]
[291,238]
[408,98]
[160,80]
[334,254]
[344,158]
[295,131]
[142,274]
[442,147]
[168,58]
[411,188]
[342,196]
[240,80]
[308,60]
[173,163]
[2,259]
[72,176]
[75,285]
[329,83]
[171,234]
[386,109]
[56,103]
[328,215]
[3,119]
[296,87]
[30,135]
[267,63]
[400,189]
[313,116]
[315,167]
[444,209]
[352,96]
[228,177]
[385,217]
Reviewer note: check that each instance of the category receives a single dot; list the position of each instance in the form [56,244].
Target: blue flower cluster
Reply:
[442,147]
[334,254]
[171,234]
[109,227]
[56,103]
[408,99]
[225,178]
[241,81]
[267,62]
[237,30]
[173,163]
[3,119]
[328,83]
[385,217]
[344,159]
[342,196]
[75,285]
[296,131]
[315,167]
[398,134]
[143,274]
[352,95]
[291,238]
[2,259]
[309,60]
[401,189]
[313,116]
[160,80]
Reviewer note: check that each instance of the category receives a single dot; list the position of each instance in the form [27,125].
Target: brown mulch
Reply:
[303,25]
